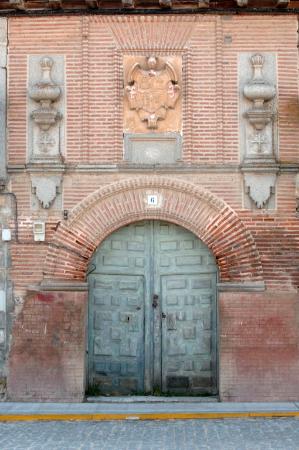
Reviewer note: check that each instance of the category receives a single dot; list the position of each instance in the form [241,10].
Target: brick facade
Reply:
[204,192]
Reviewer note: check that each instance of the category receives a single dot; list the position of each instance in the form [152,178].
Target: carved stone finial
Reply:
[45,92]
[152,90]
[259,91]
[46,106]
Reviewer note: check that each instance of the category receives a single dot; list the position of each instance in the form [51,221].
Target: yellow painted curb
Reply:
[146,416]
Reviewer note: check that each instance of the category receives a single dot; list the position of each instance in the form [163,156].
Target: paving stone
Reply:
[228,434]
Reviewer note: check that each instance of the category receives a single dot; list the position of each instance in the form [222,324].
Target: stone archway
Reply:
[180,202]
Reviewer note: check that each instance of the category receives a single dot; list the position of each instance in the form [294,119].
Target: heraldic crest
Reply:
[152,91]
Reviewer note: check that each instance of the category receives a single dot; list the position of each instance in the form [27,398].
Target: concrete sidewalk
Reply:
[138,409]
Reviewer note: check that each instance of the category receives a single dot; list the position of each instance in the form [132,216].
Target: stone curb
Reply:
[147,416]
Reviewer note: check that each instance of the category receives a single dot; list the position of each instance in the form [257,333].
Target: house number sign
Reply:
[152,200]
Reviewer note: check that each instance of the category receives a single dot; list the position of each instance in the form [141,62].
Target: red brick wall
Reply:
[259,355]
[47,357]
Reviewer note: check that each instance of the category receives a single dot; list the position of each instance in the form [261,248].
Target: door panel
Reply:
[117,333]
[140,345]
[188,324]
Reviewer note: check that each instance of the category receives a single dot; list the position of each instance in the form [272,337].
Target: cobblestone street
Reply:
[237,434]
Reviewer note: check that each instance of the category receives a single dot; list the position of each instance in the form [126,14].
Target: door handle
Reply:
[155,300]
[163,315]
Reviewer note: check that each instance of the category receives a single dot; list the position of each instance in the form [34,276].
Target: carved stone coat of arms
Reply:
[152,90]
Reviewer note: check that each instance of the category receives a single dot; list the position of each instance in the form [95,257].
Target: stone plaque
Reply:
[152,148]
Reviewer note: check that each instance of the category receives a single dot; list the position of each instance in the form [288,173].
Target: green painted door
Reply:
[152,312]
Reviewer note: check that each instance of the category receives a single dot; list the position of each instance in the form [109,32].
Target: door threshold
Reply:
[151,399]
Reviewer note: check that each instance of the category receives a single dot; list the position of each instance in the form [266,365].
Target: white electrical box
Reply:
[39,230]
[6,234]
[2,300]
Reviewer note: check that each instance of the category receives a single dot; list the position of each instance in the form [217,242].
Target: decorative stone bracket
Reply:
[46,189]
[260,187]
[46,127]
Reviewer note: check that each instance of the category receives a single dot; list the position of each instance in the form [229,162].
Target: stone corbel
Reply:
[46,189]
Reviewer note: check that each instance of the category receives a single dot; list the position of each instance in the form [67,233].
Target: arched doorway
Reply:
[152,312]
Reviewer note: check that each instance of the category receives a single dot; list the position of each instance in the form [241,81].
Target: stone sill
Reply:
[59,285]
[79,286]
[246,286]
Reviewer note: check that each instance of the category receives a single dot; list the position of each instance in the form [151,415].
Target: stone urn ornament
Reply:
[45,92]
[260,92]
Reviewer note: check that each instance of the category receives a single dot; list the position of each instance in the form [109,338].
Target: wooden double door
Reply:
[152,312]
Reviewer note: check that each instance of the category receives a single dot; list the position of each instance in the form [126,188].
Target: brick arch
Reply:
[183,203]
